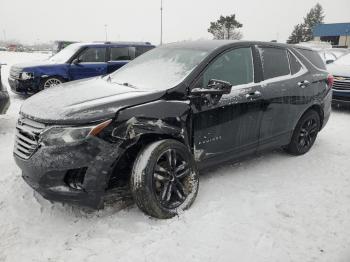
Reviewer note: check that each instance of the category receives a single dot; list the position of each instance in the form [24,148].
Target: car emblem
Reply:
[339,78]
[20,123]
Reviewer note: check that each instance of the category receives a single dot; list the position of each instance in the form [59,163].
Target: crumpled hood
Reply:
[84,101]
[339,70]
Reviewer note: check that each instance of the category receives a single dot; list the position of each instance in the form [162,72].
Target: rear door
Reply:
[91,62]
[119,56]
[231,126]
[284,94]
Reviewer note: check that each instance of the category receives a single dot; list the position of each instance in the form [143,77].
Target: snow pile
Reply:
[269,208]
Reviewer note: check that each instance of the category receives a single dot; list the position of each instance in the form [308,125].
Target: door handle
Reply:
[253,95]
[303,84]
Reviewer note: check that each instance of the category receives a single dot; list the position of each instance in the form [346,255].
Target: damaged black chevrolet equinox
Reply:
[150,126]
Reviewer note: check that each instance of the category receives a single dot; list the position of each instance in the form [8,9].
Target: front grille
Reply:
[341,83]
[27,137]
[15,72]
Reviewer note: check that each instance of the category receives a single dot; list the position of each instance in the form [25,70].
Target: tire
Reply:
[164,179]
[50,82]
[305,133]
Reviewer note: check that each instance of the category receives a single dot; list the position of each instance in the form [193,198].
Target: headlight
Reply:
[67,135]
[26,75]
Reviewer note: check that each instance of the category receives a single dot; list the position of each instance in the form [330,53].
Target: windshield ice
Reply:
[344,60]
[159,69]
[65,54]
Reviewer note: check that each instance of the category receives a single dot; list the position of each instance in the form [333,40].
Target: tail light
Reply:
[330,81]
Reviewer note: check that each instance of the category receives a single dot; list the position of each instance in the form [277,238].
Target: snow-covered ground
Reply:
[268,208]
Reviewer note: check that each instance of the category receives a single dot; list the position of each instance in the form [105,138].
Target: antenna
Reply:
[161,22]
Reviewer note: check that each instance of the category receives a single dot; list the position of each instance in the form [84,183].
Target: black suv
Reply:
[177,109]
[4,97]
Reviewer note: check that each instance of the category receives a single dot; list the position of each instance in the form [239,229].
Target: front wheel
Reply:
[164,179]
[305,133]
[50,82]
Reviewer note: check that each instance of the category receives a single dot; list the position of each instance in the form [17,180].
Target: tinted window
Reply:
[142,49]
[313,57]
[93,55]
[274,61]
[235,66]
[295,65]
[122,53]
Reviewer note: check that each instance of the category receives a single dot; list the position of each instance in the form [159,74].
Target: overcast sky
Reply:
[139,20]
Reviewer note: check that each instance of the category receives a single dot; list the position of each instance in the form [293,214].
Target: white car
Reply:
[340,69]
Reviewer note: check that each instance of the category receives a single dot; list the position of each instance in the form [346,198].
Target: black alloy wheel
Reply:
[305,133]
[164,179]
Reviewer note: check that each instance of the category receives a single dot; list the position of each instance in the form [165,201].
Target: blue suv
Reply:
[76,61]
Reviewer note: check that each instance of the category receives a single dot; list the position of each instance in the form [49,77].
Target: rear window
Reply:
[274,61]
[313,57]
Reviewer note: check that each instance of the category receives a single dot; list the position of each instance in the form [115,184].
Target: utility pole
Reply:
[161,22]
[106,33]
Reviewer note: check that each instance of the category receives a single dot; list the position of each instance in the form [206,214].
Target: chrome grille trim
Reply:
[341,83]
[27,137]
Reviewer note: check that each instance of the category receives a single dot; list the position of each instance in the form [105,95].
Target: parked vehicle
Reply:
[330,55]
[59,45]
[341,88]
[4,97]
[76,61]
[180,108]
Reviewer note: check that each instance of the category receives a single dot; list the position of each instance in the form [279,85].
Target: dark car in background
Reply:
[4,97]
[59,45]
[180,108]
[76,61]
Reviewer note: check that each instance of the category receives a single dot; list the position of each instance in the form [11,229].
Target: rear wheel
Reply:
[164,179]
[305,133]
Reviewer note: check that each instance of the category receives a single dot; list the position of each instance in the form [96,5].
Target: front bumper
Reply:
[24,87]
[47,169]
[341,96]
[4,102]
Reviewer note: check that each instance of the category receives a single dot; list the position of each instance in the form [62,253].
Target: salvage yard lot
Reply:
[272,207]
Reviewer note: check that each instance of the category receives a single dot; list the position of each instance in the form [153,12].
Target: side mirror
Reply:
[76,61]
[215,87]
[329,61]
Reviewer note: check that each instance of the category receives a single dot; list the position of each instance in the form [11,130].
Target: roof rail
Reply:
[123,42]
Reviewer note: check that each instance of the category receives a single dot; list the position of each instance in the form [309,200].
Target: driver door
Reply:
[90,62]
[230,126]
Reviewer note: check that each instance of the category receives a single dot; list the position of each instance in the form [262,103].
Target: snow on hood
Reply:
[34,64]
[84,101]
[339,70]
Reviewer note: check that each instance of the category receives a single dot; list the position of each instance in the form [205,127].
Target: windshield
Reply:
[344,60]
[159,69]
[65,54]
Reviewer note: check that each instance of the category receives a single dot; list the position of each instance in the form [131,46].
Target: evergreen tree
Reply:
[303,32]
[313,18]
[297,35]
[226,28]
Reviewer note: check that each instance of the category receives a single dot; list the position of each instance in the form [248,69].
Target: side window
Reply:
[295,65]
[274,61]
[313,57]
[235,66]
[122,53]
[142,49]
[93,55]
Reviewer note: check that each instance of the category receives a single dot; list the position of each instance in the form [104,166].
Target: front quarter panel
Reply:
[163,118]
